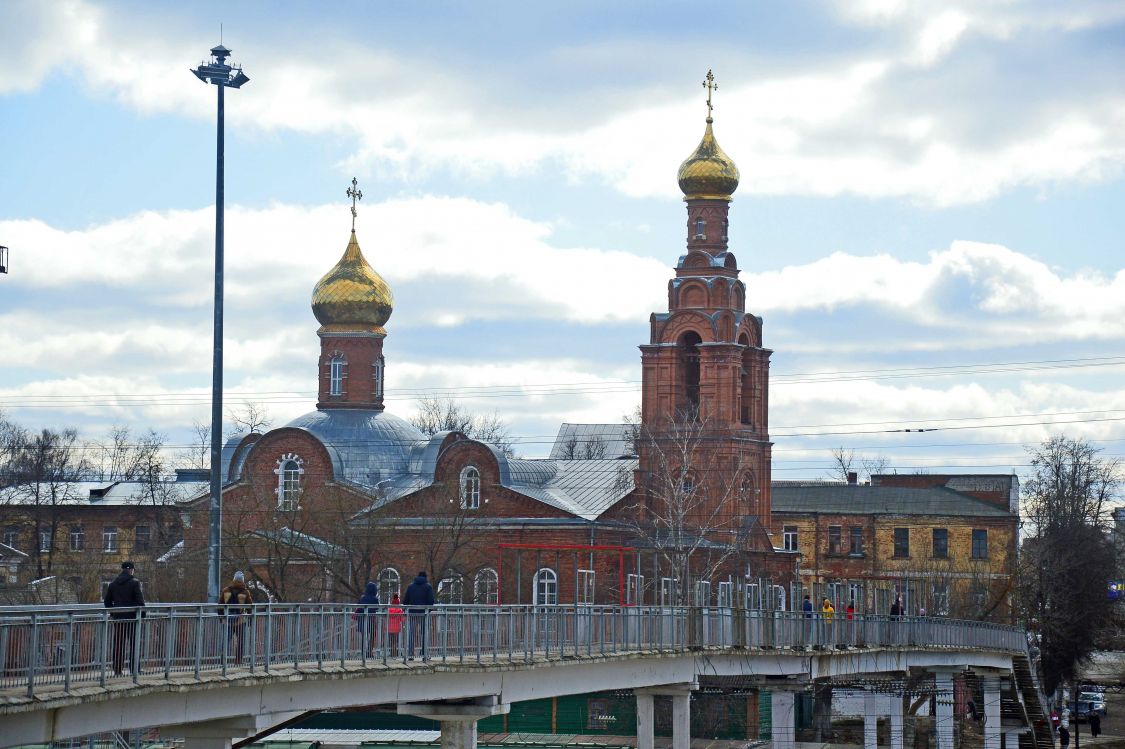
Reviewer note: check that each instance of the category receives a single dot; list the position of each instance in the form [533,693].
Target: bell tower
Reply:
[352,303]
[705,363]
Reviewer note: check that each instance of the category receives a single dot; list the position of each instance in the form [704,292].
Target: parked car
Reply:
[1090,702]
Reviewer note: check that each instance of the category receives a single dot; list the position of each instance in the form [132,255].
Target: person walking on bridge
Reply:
[236,599]
[366,618]
[419,597]
[124,593]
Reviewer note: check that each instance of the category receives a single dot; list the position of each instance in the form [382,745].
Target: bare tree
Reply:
[251,417]
[688,504]
[591,448]
[1067,555]
[845,462]
[446,415]
[198,452]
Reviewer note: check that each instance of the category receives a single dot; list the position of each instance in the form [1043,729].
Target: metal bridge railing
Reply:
[55,649]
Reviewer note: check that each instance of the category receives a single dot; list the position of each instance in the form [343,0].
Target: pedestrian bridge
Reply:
[216,679]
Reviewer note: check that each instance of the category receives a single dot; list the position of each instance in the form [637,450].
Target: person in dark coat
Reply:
[896,608]
[1095,721]
[365,617]
[419,596]
[236,600]
[124,594]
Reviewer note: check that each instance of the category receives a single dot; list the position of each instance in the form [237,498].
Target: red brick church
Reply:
[675,509]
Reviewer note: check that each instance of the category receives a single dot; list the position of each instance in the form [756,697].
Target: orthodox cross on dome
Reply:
[355,194]
[710,85]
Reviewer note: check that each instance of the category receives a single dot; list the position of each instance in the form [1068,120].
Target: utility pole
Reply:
[222,76]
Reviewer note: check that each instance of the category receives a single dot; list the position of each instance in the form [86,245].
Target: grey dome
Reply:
[366,446]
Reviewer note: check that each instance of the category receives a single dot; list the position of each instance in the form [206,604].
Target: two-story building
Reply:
[945,544]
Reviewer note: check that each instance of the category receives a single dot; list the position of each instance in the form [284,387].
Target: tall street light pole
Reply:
[223,76]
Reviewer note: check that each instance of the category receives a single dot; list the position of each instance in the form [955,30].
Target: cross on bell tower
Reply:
[355,194]
[710,85]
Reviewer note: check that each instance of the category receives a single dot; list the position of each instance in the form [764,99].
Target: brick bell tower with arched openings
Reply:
[705,363]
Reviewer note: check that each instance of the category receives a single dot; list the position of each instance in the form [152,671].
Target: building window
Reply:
[44,542]
[941,543]
[12,535]
[689,371]
[940,605]
[687,485]
[835,539]
[451,589]
[486,590]
[77,538]
[855,541]
[585,588]
[669,591]
[290,469]
[726,226]
[702,593]
[599,714]
[109,538]
[634,589]
[789,538]
[390,583]
[700,229]
[380,366]
[902,542]
[546,587]
[978,593]
[470,488]
[337,372]
[142,538]
[980,543]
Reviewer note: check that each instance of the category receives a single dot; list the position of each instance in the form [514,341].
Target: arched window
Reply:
[726,225]
[337,373]
[470,488]
[380,364]
[389,583]
[451,589]
[747,494]
[486,588]
[290,469]
[546,587]
[700,229]
[689,369]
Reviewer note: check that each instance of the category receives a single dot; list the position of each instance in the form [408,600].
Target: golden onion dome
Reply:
[352,297]
[708,172]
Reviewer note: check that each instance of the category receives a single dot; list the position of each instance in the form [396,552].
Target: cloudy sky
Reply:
[929,219]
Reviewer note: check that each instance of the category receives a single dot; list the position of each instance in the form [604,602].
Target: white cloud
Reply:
[894,119]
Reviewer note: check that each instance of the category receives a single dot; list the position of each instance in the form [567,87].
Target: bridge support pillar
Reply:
[783,717]
[458,718]
[896,722]
[871,704]
[681,714]
[943,714]
[992,728]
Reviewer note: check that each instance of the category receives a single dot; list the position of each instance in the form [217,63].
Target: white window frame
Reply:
[634,589]
[451,589]
[702,592]
[137,540]
[337,373]
[386,587]
[470,488]
[11,536]
[546,587]
[379,369]
[288,489]
[44,542]
[700,228]
[725,593]
[940,605]
[586,579]
[110,536]
[790,538]
[77,538]
[668,587]
[486,587]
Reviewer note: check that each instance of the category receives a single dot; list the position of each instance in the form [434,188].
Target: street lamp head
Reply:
[219,72]
[239,79]
[220,53]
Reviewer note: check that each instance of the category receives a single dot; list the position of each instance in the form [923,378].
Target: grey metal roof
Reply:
[879,500]
[366,446]
[585,488]
[615,437]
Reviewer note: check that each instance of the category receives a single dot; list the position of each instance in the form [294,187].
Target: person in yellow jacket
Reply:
[827,610]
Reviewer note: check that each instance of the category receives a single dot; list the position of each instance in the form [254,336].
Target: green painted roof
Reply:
[880,500]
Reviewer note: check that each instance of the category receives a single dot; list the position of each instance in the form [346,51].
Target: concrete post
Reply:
[784,719]
[459,733]
[992,726]
[870,720]
[896,721]
[943,715]
[681,721]
[645,731]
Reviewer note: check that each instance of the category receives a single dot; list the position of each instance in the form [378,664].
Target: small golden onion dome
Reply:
[352,297]
[709,172]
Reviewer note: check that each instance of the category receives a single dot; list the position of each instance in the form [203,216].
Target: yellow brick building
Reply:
[946,545]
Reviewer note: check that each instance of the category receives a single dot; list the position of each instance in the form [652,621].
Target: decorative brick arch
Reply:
[686,320]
